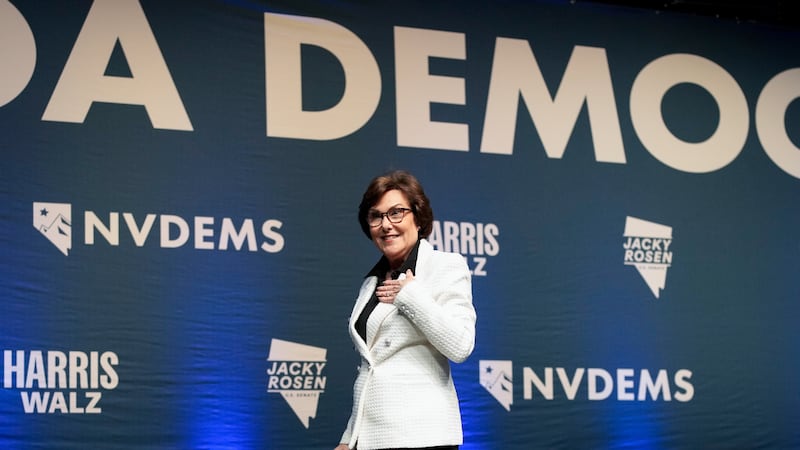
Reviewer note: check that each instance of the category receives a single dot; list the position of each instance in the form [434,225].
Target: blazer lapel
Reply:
[379,314]
[367,287]
[383,310]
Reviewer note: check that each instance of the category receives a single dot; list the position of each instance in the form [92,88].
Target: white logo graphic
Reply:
[54,221]
[476,241]
[496,377]
[586,383]
[647,248]
[296,373]
[41,378]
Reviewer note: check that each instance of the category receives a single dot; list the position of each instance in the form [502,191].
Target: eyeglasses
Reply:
[395,215]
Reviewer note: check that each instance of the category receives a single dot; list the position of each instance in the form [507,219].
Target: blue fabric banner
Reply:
[180,248]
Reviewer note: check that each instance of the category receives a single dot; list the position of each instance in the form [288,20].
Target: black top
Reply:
[380,270]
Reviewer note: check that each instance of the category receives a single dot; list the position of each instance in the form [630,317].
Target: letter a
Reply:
[83,80]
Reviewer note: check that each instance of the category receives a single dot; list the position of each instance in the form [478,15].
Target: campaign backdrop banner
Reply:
[180,248]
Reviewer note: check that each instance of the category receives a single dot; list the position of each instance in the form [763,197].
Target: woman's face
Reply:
[394,240]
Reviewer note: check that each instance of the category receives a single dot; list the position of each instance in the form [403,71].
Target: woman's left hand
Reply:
[388,290]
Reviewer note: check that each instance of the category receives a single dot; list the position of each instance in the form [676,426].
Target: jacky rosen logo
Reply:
[647,247]
[296,374]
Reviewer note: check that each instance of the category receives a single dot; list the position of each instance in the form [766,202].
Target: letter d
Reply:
[284,36]
[183,231]
[608,384]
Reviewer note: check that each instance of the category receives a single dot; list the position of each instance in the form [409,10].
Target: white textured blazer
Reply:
[404,394]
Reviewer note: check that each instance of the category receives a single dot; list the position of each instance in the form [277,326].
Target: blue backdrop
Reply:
[180,249]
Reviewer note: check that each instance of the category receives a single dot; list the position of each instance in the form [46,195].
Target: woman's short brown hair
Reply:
[407,184]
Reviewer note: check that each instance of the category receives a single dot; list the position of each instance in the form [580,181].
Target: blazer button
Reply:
[387,343]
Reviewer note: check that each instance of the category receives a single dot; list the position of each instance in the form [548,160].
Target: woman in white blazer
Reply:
[412,316]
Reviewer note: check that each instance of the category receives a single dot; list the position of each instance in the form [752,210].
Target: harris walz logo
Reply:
[476,241]
[647,246]
[295,372]
[64,382]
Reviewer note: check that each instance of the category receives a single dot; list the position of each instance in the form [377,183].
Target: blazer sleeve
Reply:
[348,431]
[439,304]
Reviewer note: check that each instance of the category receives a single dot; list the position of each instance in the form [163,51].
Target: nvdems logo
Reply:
[586,383]
[54,221]
[647,247]
[295,372]
[497,378]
